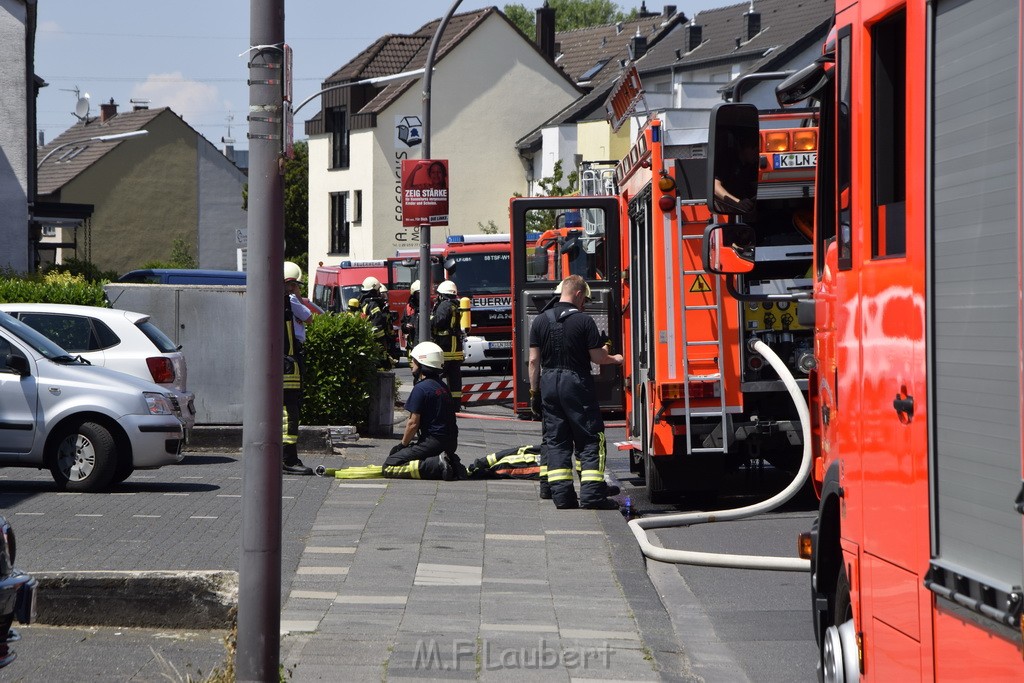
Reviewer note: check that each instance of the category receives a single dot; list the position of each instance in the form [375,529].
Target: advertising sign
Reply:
[424,192]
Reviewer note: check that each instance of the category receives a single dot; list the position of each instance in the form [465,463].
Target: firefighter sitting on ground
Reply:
[446,329]
[374,306]
[431,435]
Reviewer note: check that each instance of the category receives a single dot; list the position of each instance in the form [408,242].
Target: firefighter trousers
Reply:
[572,420]
[290,436]
[419,460]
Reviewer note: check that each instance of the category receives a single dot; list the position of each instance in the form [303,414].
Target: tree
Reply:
[296,205]
[569,14]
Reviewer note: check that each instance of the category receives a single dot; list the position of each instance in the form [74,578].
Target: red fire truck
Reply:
[698,400]
[917,552]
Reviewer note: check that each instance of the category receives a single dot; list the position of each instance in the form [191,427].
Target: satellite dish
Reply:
[82,107]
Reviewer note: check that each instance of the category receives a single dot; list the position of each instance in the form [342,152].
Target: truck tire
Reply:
[85,457]
[657,490]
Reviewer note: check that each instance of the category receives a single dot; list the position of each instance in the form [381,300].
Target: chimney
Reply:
[670,11]
[42,139]
[753,20]
[637,46]
[108,110]
[546,30]
[694,34]
[643,13]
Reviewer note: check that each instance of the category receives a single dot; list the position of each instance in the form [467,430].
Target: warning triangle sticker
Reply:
[700,285]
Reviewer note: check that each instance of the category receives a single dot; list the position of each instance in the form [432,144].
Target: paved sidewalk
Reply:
[459,580]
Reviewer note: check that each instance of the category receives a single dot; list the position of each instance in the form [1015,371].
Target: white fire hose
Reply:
[786,564]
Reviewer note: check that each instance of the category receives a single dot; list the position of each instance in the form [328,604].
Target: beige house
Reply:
[145,192]
[491,85]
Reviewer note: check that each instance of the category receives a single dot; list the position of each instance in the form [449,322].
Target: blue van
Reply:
[185,276]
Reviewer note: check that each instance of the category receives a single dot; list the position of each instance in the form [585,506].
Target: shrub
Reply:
[87,269]
[342,357]
[53,288]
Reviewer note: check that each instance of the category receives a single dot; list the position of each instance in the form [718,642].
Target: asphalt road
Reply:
[753,624]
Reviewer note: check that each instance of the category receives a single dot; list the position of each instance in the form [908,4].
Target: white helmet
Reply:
[370,284]
[429,355]
[414,288]
[448,287]
[382,289]
[292,272]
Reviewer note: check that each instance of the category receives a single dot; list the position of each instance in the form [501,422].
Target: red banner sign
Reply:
[424,192]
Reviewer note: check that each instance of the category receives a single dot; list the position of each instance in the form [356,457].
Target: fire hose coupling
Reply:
[752,343]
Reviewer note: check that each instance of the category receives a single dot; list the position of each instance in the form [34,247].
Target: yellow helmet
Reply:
[353,304]
[292,272]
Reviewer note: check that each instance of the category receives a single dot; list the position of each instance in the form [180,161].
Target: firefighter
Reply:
[353,306]
[292,397]
[301,313]
[564,341]
[374,306]
[431,435]
[411,317]
[446,329]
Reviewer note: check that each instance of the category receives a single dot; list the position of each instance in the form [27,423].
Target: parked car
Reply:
[90,426]
[17,595]
[120,340]
[185,276]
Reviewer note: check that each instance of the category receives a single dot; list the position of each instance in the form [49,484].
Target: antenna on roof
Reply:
[228,140]
[81,104]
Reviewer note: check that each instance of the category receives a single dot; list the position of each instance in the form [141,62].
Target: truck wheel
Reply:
[839,660]
[85,458]
[657,491]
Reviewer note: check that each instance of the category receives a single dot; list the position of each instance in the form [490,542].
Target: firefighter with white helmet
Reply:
[446,330]
[431,435]
[295,316]
[374,306]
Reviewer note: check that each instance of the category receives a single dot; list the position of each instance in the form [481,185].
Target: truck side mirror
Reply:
[734,144]
[537,265]
[436,272]
[728,249]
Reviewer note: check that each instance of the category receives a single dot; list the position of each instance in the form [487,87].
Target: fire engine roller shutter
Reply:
[976,439]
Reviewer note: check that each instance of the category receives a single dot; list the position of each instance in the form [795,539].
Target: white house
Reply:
[491,85]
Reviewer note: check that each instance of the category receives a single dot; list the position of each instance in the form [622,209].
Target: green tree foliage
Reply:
[87,269]
[342,357]
[52,288]
[296,205]
[181,256]
[569,14]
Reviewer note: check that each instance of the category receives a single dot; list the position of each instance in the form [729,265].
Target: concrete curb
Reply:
[148,599]
[312,439]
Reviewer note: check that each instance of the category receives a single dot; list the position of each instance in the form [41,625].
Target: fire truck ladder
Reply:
[688,344]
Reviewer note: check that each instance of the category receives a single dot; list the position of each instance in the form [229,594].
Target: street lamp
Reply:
[113,137]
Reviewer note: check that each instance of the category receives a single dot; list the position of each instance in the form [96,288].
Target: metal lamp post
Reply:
[113,137]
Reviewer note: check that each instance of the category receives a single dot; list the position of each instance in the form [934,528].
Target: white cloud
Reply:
[191,100]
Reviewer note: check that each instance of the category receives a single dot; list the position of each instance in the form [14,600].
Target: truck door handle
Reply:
[904,408]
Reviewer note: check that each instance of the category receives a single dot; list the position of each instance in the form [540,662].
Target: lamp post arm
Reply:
[365,81]
[113,137]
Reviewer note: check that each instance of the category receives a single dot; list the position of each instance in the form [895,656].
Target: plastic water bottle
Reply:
[627,508]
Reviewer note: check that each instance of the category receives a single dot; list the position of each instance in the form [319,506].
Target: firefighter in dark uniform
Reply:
[411,317]
[446,329]
[374,306]
[564,341]
[431,435]
[292,398]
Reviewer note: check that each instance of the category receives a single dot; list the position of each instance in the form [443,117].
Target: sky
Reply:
[188,54]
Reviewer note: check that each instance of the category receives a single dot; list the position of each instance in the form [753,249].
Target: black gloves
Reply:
[535,406]
[397,447]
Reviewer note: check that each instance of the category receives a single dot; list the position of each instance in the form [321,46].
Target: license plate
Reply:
[501,344]
[801,160]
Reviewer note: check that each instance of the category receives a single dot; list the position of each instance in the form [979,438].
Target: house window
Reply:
[337,123]
[339,223]
[357,206]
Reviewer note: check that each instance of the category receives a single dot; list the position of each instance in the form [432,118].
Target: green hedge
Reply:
[342,358]
[53,288]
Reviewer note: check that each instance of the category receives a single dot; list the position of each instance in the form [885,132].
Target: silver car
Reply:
[125,341]
[90,426]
